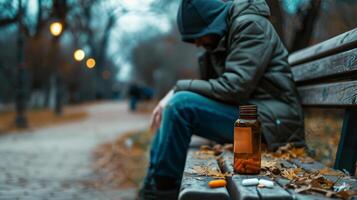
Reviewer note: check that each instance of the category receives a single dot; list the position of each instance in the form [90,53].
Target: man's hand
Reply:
[157,113]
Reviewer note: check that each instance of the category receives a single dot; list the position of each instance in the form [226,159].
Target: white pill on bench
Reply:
[250,182]
[266,183]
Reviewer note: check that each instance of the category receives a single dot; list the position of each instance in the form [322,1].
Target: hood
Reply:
[245,7]
[197,18]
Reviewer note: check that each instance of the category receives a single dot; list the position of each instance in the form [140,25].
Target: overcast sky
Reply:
[138,25]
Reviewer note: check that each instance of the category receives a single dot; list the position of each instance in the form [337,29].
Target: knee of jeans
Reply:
[181,100]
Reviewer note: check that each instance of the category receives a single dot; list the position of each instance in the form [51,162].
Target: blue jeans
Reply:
[188,113]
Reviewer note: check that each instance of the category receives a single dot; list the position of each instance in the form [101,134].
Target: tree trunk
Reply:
[276,17]
[308,18]
[20,119]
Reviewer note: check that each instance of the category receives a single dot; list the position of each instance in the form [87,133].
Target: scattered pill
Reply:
[250,182]
[217,183]
[266,183]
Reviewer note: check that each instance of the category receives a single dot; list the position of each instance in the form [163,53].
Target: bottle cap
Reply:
[248,110]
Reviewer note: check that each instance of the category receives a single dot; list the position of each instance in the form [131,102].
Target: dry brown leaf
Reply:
[205,148]
[290,173]
[322,182]
[346,195]
[330,172]
[307,160]
[209,171]
[289,152]
[204,154]
[269,163]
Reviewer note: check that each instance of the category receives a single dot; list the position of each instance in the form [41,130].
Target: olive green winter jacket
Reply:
[250,66]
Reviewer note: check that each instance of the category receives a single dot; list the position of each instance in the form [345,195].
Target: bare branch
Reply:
[9,20]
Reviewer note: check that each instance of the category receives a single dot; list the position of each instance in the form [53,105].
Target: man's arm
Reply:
[206,70]
[246,62]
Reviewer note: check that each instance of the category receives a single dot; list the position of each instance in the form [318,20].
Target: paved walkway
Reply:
[53,162]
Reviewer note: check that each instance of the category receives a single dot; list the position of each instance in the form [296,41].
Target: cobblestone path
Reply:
[55,162]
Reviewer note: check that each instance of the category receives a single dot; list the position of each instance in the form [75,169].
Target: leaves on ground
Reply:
[123,163]
[41,118]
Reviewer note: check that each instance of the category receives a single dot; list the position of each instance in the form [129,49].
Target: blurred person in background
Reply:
[134,96]
[245,62]
[138,93]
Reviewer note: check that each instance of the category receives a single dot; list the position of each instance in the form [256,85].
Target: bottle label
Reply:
[243,140]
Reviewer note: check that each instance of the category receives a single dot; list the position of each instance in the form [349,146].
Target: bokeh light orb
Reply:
[79,55]
[90,63]
[56,28]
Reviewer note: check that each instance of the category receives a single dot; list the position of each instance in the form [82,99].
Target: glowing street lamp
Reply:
[90,63]
[79,55]
[56,28]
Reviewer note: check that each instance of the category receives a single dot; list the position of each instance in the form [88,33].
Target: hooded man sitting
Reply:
[245,63]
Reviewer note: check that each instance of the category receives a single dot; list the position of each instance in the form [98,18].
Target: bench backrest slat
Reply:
[331,94]
[341,64]
[325,73]
[334,45]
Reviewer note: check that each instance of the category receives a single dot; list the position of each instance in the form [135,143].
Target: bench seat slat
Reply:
[298,196]
[334,45]
[238,191]
[331,94]
[195,186]
[235,187]
[276,193]
[343,63]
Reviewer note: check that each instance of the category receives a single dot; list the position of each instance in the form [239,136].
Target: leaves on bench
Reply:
[206,154]
[208,171]
[289,163]
[201,168]
[302,181]
[288,152]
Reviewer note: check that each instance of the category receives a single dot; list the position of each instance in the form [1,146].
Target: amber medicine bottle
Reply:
[247,141]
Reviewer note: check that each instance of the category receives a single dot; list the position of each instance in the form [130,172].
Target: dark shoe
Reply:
[150,193]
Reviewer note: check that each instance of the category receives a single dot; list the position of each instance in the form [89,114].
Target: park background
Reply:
[71,70]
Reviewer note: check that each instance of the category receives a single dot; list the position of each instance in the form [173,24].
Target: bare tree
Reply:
[308,18]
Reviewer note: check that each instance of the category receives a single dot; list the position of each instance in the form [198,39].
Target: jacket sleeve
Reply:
[206,70]
[248,57]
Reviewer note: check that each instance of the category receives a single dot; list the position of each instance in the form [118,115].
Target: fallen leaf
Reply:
[346,195]
[330,172]
[209,171]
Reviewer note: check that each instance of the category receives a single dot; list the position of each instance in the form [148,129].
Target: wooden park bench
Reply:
[326,76]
